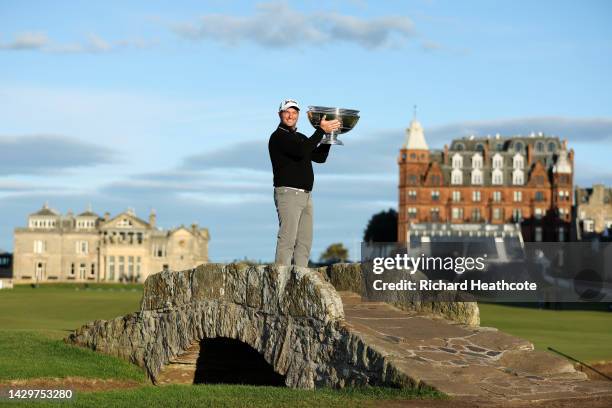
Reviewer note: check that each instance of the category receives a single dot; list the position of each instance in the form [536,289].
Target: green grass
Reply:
[33,355]
[57,309]
[582,334]
[33,321]
[239,396]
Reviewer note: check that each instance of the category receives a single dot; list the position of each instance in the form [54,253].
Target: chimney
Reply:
[152,219]
[194,227]
[445,158]
[529,155]
[106,216]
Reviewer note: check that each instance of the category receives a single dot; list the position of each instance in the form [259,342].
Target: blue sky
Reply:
[168,105]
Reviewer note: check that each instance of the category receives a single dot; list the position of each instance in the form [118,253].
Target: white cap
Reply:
[288,103]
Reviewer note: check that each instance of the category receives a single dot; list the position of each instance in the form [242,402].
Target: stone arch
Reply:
[290,315]
[220,360]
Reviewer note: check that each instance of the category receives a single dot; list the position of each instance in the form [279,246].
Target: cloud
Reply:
[37,41]
[35,154]
[277,25]
[27,41]
[431,46]
[377,152]
[574,129]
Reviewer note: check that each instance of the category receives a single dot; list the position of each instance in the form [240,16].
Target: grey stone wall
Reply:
[447,304]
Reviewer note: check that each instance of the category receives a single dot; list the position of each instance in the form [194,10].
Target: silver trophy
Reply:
[348,119]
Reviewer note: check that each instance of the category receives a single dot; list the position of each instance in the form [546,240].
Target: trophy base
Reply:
[331,141]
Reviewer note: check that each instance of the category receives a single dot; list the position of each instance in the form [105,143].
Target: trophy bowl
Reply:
[347,117]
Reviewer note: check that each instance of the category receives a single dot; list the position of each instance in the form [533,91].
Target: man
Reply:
[292,154]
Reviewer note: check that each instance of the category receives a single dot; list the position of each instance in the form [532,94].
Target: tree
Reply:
[335,253]
[382,227]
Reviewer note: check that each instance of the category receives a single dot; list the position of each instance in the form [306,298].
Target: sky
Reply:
[169,105]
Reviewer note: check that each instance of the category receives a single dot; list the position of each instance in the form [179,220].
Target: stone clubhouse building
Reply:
[90,248]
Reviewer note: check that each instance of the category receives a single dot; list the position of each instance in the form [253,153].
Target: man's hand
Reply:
[329,126]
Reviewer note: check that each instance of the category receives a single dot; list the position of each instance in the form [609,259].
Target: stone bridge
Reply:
[309,328]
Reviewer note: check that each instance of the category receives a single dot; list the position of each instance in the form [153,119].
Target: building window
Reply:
[539,213]
[456,196]
[435,214]
[589,225]
[498,161]
[476,214]
[459,147]
[477,161]
[563,213]
[72,269]
[479,147]
[82,271]
[137,267]
[130,267]
[82,247]
[412,195]
[518,146]
[412,179]
[412,212]
[435,180]
[476,177]
[121,267]
[435,195]
[518,196]
[457,161]
[475,196]
[159,251]
[518,178]
[538,234]
[111,268]
[93,269]
[497,178]
[552,147]
[518,162]
[564,196]
[457,177]
[457,213]
[497,196]
[539,196]
[39,246]
[561,234]
[517,215]
[497,213]
[539,147]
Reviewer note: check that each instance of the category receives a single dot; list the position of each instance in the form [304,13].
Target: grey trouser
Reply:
[294,209]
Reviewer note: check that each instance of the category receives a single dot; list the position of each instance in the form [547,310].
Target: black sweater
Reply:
[292,154]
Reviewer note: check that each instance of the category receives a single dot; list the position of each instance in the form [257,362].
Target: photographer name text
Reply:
[471,285]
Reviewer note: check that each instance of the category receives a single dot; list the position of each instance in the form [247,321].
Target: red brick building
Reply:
[488,180]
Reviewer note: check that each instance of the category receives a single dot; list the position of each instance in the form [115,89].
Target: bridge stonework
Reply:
[313,328]
[291,316]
